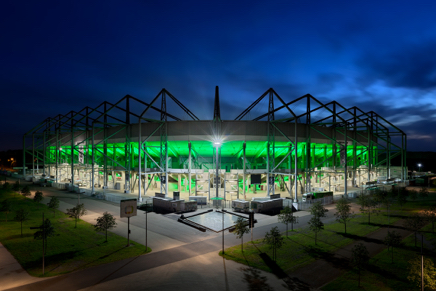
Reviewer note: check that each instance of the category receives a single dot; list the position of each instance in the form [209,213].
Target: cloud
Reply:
[411,66]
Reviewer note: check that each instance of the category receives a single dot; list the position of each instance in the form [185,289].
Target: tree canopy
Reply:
[105,222]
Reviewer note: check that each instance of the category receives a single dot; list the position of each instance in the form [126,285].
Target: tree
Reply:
[423,192]
[25,191]
[315,223]
[359,257]
[430,216]
[6,186]
[387,202]
[38,197]
[45,230]
[241,228]
[21,215]
[429,272]
[402,197]
[105,222]
[274,240]
[286,216]
[6,207]
[413,195]
[76,212]
[392,239]
[16,186]
[343,212]
[53,204]
[367,205]
[414,223]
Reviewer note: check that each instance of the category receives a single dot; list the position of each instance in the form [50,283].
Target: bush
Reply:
[25,191]
[16,186]
[38,197]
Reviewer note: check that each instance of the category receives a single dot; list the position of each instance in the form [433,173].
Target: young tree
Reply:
[38,197]
[392,239]
[53,204]
[367,205]
[105,222]
[6,186]
[45,230]
[315,224]
[76,212]
[241,228]
[25,191]
[429,273]
[359,257]
[402,197]
[413,195]
[286,216]
[423,192]
[274,240]
[430,216]
[16,186]
[6,207]
[414,223]
[21,215]
[343,212]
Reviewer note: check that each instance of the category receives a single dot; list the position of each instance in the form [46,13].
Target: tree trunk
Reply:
[415,239]
[242,243]
[359,278]
[106,235]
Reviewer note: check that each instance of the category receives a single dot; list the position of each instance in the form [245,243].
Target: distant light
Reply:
[60,149]
[419,165]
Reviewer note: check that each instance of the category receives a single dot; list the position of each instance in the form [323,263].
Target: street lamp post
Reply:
[419,167]
[217,144]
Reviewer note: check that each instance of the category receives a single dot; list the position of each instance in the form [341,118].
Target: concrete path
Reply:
[11,272]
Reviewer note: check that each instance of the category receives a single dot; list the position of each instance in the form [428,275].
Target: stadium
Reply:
[277,146]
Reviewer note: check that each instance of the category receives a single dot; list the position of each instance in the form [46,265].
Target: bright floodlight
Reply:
[419,165]
[217,143]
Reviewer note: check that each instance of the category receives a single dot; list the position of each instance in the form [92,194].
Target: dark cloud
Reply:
[412,66]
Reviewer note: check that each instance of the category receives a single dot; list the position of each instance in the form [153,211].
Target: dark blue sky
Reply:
[58,56]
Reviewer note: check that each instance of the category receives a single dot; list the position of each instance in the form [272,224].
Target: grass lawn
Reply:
[69,250]
[299,247]
[301,242]
[381,274]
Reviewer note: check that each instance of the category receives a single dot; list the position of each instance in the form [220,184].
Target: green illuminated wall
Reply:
[203,151]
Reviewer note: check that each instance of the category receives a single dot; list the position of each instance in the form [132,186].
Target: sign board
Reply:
[128,208]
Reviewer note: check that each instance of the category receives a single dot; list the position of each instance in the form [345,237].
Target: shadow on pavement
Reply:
[255,280]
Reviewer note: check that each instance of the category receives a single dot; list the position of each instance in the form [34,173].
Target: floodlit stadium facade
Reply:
[296,146]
